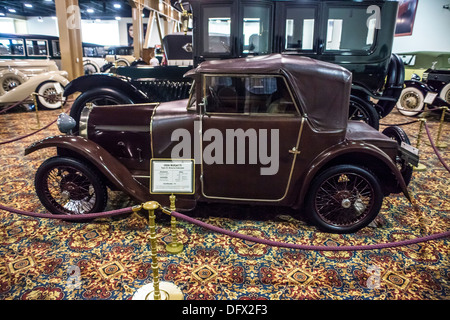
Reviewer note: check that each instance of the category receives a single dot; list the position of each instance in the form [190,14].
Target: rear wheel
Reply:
[67,186]
[99,97]
[344,199]
[363,111]
[445,93]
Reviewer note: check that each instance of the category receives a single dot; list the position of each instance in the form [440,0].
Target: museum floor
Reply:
[111,256]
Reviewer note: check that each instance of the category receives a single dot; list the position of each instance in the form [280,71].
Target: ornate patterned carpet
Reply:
[109,259]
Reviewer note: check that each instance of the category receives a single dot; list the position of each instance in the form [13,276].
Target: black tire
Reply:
[99,97]
[399,135]
[362,110]
[67,186]
[343,199]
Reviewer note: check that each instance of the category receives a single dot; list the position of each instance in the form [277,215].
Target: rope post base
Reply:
[420,166]
[174,246]
[156,290]
[167,291]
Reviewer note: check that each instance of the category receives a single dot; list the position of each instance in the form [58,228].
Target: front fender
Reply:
[93,81]
[89,151]
[423,87]
[352,149]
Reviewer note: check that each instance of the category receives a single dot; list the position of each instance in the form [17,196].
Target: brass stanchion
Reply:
[156,290]
[420,166]
[37,112]
[441,145]
[174,246]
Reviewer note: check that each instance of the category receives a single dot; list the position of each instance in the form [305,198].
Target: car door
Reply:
[251,131]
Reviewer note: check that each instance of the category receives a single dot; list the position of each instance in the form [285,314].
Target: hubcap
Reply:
[410,100]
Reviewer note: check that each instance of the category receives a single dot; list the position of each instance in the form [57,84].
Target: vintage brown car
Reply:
[263,130]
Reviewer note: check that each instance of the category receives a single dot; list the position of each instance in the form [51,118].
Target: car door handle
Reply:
[294,151]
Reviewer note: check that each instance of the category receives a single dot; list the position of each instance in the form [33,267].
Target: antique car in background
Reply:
[346,32]
[19,78]
[266,130]
[429,84]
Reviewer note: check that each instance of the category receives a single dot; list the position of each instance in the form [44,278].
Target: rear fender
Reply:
[353,150]
[92,81]
[114,171]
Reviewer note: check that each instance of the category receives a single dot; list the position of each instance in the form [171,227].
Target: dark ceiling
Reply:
[45,8]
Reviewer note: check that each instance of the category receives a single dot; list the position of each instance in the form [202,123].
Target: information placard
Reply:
[172,176]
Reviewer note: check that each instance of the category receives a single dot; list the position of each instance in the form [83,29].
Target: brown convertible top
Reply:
[322,89]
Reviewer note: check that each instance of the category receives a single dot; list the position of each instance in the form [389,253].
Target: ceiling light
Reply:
[90,10]
[118,18]
[117,5]
[12,10]
[28,5]
[2,14]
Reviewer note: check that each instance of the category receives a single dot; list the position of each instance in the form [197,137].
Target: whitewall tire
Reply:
[49,95]
[445,93]
[411,102]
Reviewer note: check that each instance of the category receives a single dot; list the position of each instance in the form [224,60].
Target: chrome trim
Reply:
[151,128]
[84,119]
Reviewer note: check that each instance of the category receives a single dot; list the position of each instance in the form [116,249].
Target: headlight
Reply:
[415,76]
[65,123]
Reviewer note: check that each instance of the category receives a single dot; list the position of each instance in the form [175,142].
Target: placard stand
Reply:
[174,246]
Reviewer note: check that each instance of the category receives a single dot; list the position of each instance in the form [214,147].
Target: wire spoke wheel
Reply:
[67,186]
[344,199]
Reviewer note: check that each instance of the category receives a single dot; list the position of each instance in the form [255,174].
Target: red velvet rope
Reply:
[435,149]
[68,216]
[309,247]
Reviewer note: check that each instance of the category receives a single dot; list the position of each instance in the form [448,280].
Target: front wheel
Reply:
[67,186]
[49,95]
[411,102]
[98,97]
[343,199]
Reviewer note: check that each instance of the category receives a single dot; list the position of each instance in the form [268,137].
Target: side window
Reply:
[37,48]
[300,25]
[348,29]
[11,47]
[216,26]
[248,95]
[56,48]
[256,29]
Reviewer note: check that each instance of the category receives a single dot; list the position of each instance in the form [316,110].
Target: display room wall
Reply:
[430,31]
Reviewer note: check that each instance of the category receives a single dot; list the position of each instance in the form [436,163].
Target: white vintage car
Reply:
[19,78]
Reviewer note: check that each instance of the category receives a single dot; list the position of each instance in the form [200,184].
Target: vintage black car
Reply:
[432,89]
[266,130]
[357,35]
